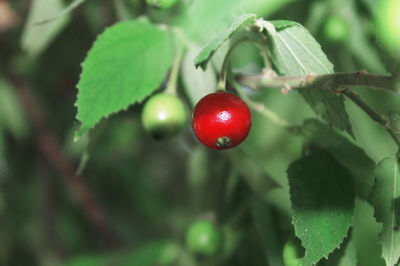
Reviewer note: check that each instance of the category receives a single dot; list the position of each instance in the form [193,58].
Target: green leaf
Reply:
[385,198]
[210,48]
[12,117]
[281,24]
[295,52]
[346,153]
[345,255]
[36,38]
[323,203]
[93,260]
[365,234]
[197,83]
[66,10]
[350,254]
[147,255]
[126,64]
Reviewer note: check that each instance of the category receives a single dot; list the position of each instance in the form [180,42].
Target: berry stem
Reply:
[264,111]
[225,64]
[173,77]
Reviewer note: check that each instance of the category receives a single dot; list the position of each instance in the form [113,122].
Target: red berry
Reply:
[221,120]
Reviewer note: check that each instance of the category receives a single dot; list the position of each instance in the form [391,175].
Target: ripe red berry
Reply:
[221,120]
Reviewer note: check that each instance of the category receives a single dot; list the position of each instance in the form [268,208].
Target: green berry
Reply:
[292,252]
[164,116]
[203,238]
[336,29]
[162,4]
[169,254]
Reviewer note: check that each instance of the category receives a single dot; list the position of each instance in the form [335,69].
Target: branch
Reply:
[335,82]
[52,151]
[374,115]
[326,81]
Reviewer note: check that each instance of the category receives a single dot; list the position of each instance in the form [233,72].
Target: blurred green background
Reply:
[148,193]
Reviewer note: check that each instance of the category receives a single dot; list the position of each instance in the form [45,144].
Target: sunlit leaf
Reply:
[295,52]
[210,48]
[126,64]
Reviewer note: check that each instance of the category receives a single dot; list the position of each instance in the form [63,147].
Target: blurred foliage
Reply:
[151,192]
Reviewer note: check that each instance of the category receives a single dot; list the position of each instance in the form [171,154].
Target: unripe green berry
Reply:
[162,4]
[292,252]
[164,116]
[169,254]
[203,238]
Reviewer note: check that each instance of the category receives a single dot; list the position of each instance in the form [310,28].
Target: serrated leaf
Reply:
[295,52]
[346,153]
[35,38]
[346,255]
[126,64]
[197,83]
[210,48]
[323,203]
[385,197]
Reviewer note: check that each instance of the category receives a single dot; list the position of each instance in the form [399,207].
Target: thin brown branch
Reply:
[326,81]
[374,115]
[52,151]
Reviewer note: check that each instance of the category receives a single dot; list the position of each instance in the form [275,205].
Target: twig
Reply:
[326,81]
[374,115]
[52,151]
